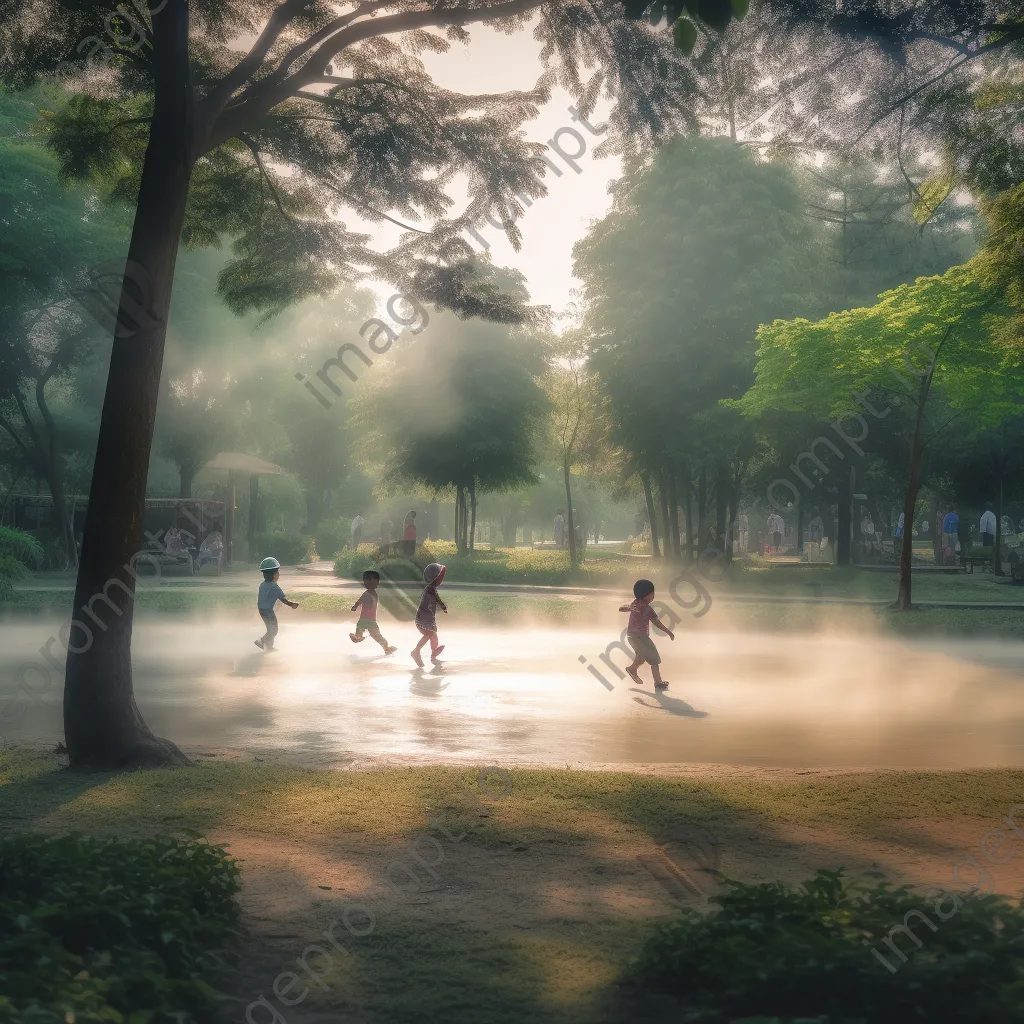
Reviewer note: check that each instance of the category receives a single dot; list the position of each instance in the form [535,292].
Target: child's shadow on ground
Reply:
[424,686]
[673,705]
[250,665]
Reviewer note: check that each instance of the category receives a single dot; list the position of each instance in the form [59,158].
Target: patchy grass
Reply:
[539,907]
[282,801]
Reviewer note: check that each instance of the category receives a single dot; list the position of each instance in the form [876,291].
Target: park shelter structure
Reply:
[238,464]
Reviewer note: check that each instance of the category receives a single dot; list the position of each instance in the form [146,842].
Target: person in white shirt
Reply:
[357,532]
[559,530]
[988,527]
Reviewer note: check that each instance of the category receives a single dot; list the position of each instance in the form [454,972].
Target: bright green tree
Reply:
[940,332]
[258,123]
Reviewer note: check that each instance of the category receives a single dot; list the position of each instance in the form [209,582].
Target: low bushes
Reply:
[779,955]
[18,552]
[487,565]
[122,931]
[287,548]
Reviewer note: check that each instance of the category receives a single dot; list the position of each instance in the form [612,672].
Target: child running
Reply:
[270,593]
[638,633]
[367,605]
[433,574]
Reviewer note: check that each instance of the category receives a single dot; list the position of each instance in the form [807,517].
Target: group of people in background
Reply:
[407,545]
[561,530]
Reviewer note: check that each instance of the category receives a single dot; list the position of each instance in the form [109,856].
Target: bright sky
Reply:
[551,226]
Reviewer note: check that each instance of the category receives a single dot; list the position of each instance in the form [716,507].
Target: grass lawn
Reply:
[537,899]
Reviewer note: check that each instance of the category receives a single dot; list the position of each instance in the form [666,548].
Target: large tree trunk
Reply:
[734,510]
[472,522]
[652,517]
[673,512]
[800,529]
[691,525]
[103,727]
[573,553]
[186,474]
[667,547]
[702,504]
[460,520]
[936,531]
[252,523]
[903,599]
[721,503]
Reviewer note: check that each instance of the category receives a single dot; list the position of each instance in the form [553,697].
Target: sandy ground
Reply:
[539,895]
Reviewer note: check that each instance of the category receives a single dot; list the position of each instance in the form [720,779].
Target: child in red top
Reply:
[638,633]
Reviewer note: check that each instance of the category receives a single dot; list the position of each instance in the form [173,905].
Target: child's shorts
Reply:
[643,647]
[367,626]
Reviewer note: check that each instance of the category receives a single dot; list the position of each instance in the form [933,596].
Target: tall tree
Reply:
[940,333]
[329,107]
[702,245]
[55,245]
[461,408]
[577,424]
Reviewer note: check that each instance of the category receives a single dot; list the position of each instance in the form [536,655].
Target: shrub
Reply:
[114,930]
[287,548]
[21,546]
[778,954]
[332,535]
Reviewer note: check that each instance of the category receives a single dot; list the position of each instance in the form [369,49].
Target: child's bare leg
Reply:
[656,672]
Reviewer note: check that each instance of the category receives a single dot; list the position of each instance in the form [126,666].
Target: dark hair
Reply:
[371,574]
[642,588]
[268,574]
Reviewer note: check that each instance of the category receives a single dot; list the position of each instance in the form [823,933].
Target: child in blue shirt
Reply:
[269,594]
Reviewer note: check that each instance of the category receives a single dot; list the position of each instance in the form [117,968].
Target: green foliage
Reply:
[819,367]
[771,953]
[122,931]
[287,548]
[332,535]
[21,546]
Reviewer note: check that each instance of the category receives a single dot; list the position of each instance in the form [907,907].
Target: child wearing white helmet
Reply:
[269,594]
[426,623]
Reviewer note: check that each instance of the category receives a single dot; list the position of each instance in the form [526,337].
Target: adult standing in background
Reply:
[776,528]
[950,529]
[357,531]
[409,534]
[560,529]
[988,526]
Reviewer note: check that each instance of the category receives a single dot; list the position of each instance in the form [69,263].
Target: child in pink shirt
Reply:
[367,605]
[638,633]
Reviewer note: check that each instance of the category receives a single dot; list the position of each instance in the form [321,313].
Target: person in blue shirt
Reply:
[270,593]
[950,529]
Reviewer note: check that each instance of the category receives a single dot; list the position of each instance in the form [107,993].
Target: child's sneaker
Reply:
[259,644]
[355,638]
[390,649]
[661,686]
[635,676]
[437,653]
[416,657]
